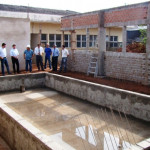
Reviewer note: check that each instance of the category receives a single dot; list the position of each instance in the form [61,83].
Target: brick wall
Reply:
[122,14]
[79,61]
[81,20]
[127,66]
[85,20]
[126,15]
[66,23]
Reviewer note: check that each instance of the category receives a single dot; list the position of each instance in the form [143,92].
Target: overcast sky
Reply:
[75,5]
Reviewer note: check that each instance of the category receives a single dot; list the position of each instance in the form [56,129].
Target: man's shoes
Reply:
[9,73]
[43,69]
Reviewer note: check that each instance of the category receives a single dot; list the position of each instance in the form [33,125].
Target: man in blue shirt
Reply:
[48,53]
[55,54]
[28,55]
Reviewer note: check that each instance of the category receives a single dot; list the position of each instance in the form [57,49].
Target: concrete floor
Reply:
[75,122]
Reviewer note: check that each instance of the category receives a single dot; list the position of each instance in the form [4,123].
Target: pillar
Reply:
[124,39]
[63,38]
[40,32]
[101,44]
[147,75]
[148,39]
[87,38]
[47,38]
[73,47]
[73,40]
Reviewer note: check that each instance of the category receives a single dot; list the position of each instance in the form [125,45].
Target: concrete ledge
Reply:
[21,135]
[135,104]
[13,82]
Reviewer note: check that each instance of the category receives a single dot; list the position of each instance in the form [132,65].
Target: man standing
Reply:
[48,53]
[55,54]
[65,54]
[14,57]
[39,51]
[3,59]
[28,55]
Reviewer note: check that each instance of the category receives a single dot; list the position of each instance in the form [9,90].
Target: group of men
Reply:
[28,56]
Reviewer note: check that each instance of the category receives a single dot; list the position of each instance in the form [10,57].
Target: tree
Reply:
[143,36]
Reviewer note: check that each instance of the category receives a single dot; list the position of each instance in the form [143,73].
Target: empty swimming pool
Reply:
[73,123]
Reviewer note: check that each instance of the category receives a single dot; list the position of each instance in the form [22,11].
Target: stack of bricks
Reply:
[127,66]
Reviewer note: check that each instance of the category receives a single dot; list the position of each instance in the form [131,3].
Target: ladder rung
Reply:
[94,57]
[91,72]
[93,62]
[93,67]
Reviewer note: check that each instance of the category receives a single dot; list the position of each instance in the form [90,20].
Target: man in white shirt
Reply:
[65,54]
[3,55]
[39,51]
[14,57]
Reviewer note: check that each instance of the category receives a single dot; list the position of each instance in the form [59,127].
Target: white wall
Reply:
[14,30]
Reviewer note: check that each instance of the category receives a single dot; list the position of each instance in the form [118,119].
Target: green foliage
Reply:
[143,36]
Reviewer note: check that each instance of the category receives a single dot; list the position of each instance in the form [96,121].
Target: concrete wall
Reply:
[14,30]
[135,104]
[34,17]
[18,133]
[10,83]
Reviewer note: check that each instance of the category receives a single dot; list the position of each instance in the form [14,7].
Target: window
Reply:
[55,39]
[67,39]
[81,40]
[113,41]
[43,39]
[93,40]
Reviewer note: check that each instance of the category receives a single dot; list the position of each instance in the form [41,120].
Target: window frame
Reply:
[81,41]
[93,40]
[113,41]
[68,41]
[55,40]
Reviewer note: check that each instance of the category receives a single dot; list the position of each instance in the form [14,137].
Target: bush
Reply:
[134,48]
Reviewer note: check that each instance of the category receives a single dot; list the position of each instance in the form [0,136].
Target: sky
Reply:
[76,5]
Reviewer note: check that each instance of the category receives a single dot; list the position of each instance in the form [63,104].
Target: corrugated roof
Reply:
[16,8]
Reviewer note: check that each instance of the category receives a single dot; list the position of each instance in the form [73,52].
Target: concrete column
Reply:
[124,39]
[47,38]
[147,75]
[40,32]
[63,38]
[148,39]
[73,47]
[73,40]
[87,38]
[101,44]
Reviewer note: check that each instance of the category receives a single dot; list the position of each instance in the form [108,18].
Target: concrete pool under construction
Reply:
[46,118]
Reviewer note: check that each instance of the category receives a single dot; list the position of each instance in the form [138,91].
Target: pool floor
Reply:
[75,122]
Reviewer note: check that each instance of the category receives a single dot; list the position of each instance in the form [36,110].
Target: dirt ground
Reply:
[122,84]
